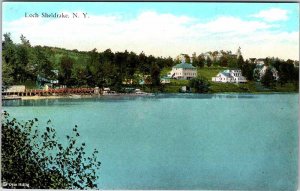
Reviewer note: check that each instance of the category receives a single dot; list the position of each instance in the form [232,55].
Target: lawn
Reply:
[209,72]
[288,87]
[232,87]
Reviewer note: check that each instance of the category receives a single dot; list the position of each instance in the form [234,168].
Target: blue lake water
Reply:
[220,141]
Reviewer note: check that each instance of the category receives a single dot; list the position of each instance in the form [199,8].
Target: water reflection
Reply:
[117,99]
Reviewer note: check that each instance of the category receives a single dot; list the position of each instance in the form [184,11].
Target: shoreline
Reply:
[134,95]
[58,97]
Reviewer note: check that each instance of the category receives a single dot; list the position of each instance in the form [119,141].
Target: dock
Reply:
[49,92]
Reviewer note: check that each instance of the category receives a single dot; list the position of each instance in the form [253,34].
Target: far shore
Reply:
[75,96]
[36,97]
[50,97]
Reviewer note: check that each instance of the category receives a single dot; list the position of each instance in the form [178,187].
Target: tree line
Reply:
[287,71]
[23,62]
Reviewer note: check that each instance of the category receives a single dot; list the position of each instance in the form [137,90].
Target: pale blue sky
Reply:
[281,19]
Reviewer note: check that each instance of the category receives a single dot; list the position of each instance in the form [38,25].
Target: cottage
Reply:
[230,76]
[183,71]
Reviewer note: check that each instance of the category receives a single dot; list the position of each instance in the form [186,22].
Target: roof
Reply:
[184,65]
[226,74]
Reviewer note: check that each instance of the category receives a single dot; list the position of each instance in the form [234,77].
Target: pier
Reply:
[60,91]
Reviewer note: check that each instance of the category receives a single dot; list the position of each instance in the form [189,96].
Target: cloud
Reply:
[272,15]
[159,34]
[227,24]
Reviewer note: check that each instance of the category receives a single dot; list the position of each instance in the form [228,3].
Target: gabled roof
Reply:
[226,74]
[184,65]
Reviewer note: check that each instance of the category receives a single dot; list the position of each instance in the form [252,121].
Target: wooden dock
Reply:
[60,91]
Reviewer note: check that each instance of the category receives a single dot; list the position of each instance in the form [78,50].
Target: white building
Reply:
[260,61]
[183,71]
[230,76]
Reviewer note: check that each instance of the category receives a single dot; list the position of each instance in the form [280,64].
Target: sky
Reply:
[161,29]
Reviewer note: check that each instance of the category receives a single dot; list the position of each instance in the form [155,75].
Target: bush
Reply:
[35,160]
[200,84]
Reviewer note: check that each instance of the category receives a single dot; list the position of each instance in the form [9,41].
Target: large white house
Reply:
[230,76]
[183,71]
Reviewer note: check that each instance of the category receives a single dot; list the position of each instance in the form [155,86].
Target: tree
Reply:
[142,60]
[187,58]
[155,75]
[20,60]
[208,62]
[41,64]
[268,79]
[9,49]
[285,72]
[80,74]
[91,67]
[232,62]
[65,73]
[132,61]
[24,41]
[38,159]
[240,61]
[248,70]
[7,74]
[224,61]
[200,84]
[199,61]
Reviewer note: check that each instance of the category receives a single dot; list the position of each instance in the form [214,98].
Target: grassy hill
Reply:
[215,87]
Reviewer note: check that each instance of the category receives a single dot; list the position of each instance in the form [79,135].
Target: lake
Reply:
[182,141]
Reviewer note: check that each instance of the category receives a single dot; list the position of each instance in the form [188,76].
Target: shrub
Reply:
[36,160]
[200,84]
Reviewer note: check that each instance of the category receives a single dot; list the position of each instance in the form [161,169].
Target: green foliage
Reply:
[240,62]
[199,84]
[155,75]
[78,68]
[267,79]
[232,63]
[208,62]
[223,61]
[247,70]
[7,74]
[199,61]
[40,64]
[23,62]
[286,73]
[65,73]
[36,158]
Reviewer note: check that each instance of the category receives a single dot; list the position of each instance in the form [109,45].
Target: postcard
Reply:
[150,95]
